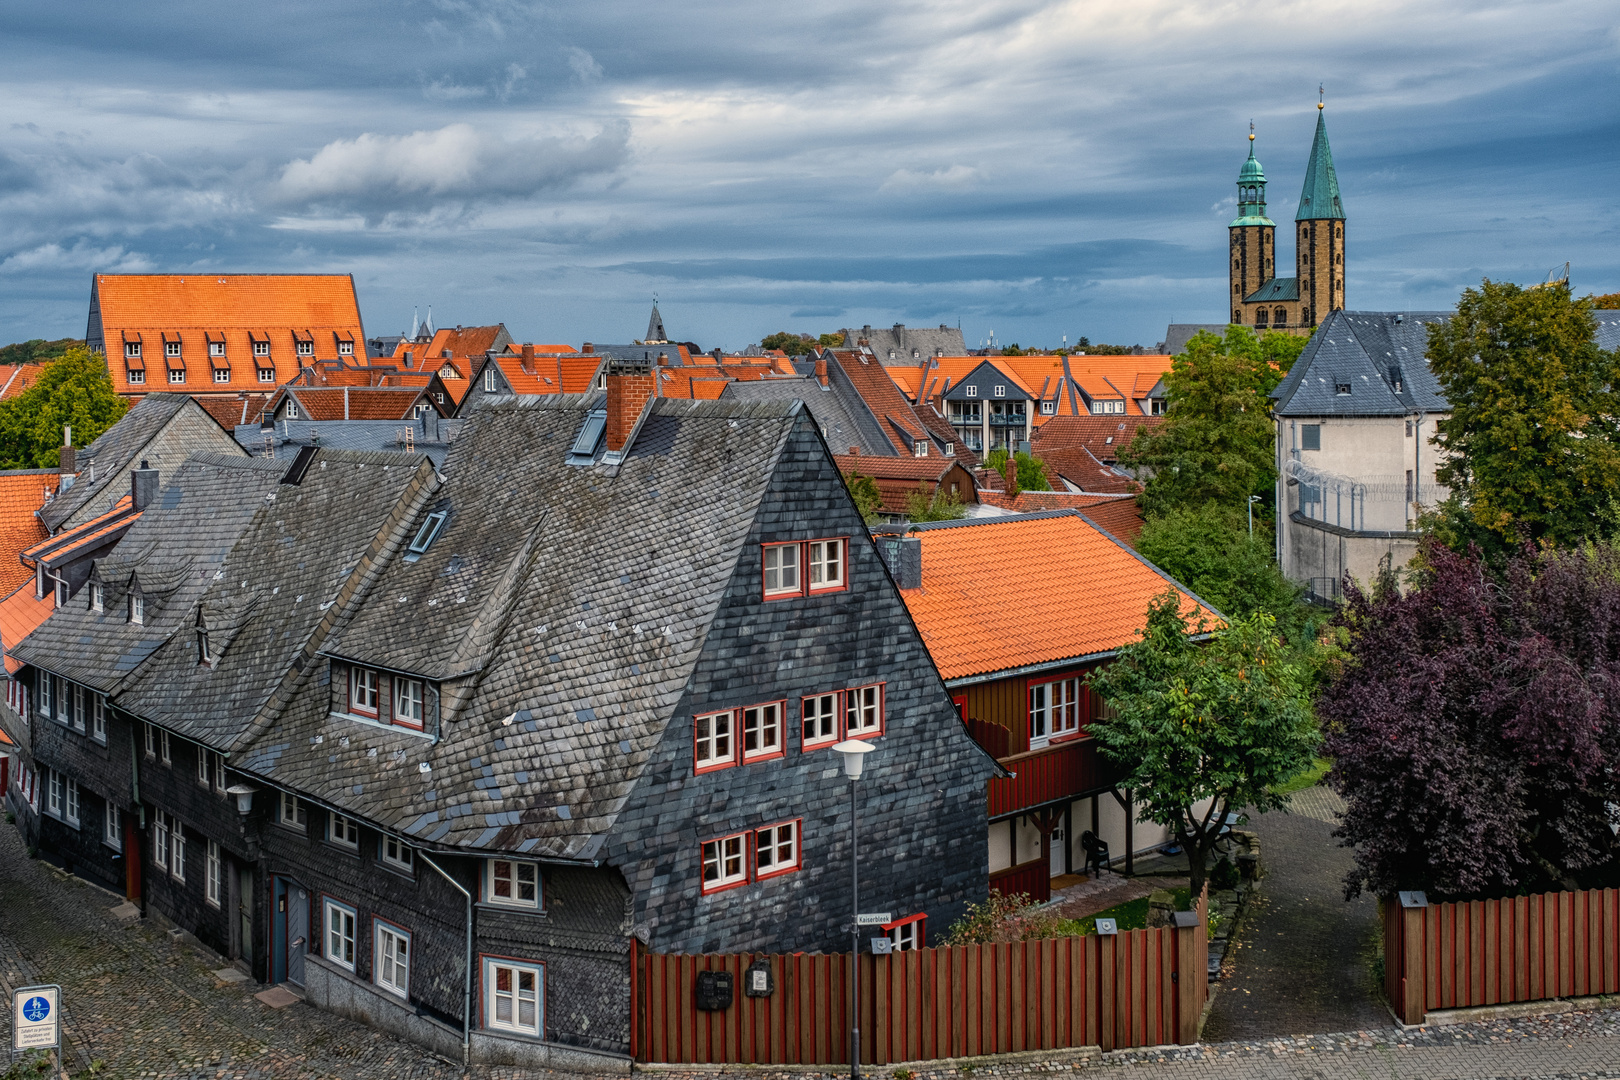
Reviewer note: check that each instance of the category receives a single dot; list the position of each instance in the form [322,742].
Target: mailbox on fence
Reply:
[757,980]
[714,990]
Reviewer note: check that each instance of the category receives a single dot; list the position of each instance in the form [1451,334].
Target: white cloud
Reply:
[456,163]
[586,69]
[50,258]
[446,90]
[956,176]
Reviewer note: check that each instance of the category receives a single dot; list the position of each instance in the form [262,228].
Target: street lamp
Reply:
[1252,500]
[854,752]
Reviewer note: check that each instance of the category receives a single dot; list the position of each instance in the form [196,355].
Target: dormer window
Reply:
[261,348]
[426,535]
[1048,408]
[1342,389]
[171,349]
[267,375]
[448,372]
[345,348]
[205,655]
[489,380]
[292,409]
[306,348]
[363,691]
[920,448]
[97,597]
[407,702]
[216,348]
[137,609]
[61,591]
[132,350]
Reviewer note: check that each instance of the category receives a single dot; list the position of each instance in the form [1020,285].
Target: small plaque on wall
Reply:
[757,980]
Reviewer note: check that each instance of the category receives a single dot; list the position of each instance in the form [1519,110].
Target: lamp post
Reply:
[1252,500]
[853,751]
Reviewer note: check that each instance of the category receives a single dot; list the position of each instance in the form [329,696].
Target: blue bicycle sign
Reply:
[36,1009]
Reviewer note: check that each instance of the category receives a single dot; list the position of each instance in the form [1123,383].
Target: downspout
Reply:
[466,1011]
[135,789]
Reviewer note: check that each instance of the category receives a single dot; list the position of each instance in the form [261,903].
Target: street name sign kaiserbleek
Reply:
[875,918]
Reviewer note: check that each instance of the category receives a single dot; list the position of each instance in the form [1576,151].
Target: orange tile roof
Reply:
[560,370]
[1103,436]
[22,493]
[231,411]
[895,468]
[1081,468]
[1121,517]
[1040,377]
[351,403]
[1030,502]
[83,536]
[706,383]
[1003,593]
[15,378]
[20,615]
[235,309]
[893,410]
[1117,377]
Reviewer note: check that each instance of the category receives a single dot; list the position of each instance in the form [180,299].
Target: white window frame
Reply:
[1048,408]
[394,852]
[829,564]
[345,348]
[261,348]
[339,924]
[177,850]
[53,793]
[202,768]
[762,731]
[779,568]
[364,683]
[137,377]
[98,717]
[98,597]
[408,707]
[391,958]
[714,740]
[1001,391]
[177,376]
[213,875]
[819,716]
[489,380]
[216,348]
[777,848]
[171,350]
[1054,711]
[45,678]
[970,391]
[342,831]
[222,374]
[267,375]
[112,827]
[137,609]
[292,813]
[160,839]
[151,739]
[305,348]
[863,711]
[515,875]
[727,857]
[515,997]
[908,934]
[219,773]
[78,719]
[70,802]
[165,747]
[132,350]
[292,409]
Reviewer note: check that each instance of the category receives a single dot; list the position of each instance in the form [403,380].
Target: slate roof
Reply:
[1364,351]
[1608,330]
[275,591]
[831,408]
[1061,589]
[172,553]
[99,530]
[1176,335]
[574,600]
[903,340]
[1278,288]
[387,436]
[164,428]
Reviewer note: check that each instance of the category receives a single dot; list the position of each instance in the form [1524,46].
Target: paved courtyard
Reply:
[138,1004]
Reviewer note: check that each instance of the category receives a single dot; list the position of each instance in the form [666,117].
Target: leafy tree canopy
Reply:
[1474,726]
[942,505]
[864,490]
[72,390]
[830,341]
[1217,442]
[1200,730]
[36,350]
[1607,302]
[1532,439]
[792,344]
[1031,470]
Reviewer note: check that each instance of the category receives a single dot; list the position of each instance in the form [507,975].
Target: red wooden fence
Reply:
[1491,952]
[1138,988]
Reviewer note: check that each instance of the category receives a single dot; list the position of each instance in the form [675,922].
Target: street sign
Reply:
[875,918]
[36,1018]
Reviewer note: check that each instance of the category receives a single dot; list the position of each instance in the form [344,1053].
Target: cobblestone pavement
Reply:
[1302,959]
[137,1004]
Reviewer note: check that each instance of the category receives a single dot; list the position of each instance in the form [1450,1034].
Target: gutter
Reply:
[466,1010]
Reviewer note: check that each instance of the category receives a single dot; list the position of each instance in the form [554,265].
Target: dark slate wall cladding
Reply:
[81,848]
[583,938]
[101,769]
[184,902]
[922,804]
[174,788]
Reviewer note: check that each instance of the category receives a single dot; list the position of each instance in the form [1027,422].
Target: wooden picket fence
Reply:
[1492,952]
[1137,988]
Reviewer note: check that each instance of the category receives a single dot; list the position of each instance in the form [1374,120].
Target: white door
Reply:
[1060,844]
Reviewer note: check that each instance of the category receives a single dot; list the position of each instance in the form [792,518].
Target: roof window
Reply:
[426,535]
[590,439]
[1341,388]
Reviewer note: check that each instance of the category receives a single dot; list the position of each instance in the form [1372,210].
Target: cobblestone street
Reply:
[138,1004]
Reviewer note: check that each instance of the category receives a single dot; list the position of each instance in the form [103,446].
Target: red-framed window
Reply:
[907,934]
[1054,710]
[714,741]
[863,712]
[819,721]
[783,571]
[777,849]
[764,732]
[363,691]
[805,567]
[725,862]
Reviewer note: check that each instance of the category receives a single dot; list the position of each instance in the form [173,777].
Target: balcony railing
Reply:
[1049,775]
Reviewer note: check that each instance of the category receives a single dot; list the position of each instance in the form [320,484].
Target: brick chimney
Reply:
[629,386]
[821,370]
[663,359]
[587,347]
[1011,472]
[527,361]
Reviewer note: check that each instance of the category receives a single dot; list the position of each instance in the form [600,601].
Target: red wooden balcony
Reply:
[1033,877]
[1048,775]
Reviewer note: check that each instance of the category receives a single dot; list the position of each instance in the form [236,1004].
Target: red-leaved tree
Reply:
[1475,726]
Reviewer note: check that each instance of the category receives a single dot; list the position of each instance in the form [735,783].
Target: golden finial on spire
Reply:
[1321,95]
[1251,131]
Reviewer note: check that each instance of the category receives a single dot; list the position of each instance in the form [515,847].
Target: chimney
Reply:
[528,359]
[629,387]
[407,358]
[821,370]
[65,458]
[587,347]
[143,485]
[430,426]
[903,556]
[663,359]
[854,451]
[1011,474]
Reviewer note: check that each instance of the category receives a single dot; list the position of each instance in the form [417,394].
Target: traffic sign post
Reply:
[36,1018]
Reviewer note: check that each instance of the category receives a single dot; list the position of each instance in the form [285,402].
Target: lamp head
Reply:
[244,797]
[854,751]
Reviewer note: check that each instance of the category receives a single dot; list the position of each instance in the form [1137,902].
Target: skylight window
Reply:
[426,535]
[585,447]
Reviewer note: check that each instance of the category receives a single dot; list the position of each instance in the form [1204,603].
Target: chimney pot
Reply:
[588,347]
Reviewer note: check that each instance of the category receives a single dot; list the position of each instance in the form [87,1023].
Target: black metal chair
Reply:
[1096,851]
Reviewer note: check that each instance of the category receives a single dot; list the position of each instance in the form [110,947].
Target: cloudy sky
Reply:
[1027,168]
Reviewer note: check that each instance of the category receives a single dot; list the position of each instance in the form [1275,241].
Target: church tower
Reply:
[1253,236]
[1319,229]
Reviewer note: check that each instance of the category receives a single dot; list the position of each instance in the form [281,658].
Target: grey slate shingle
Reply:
[1362,350]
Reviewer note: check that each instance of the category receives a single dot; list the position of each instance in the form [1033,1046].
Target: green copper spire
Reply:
[1320,197]
[1251,191]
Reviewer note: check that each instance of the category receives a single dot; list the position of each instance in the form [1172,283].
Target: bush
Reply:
[1223,875]
[1002,918]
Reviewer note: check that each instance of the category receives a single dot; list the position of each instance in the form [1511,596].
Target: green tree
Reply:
[830,341]
[1209,550]
[73,390]
[1213,725]
[864,490]
[792,344]
[1607,302]
[941,505]
[36,350]
[1532,436]
[1217,442]
[1031,470]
